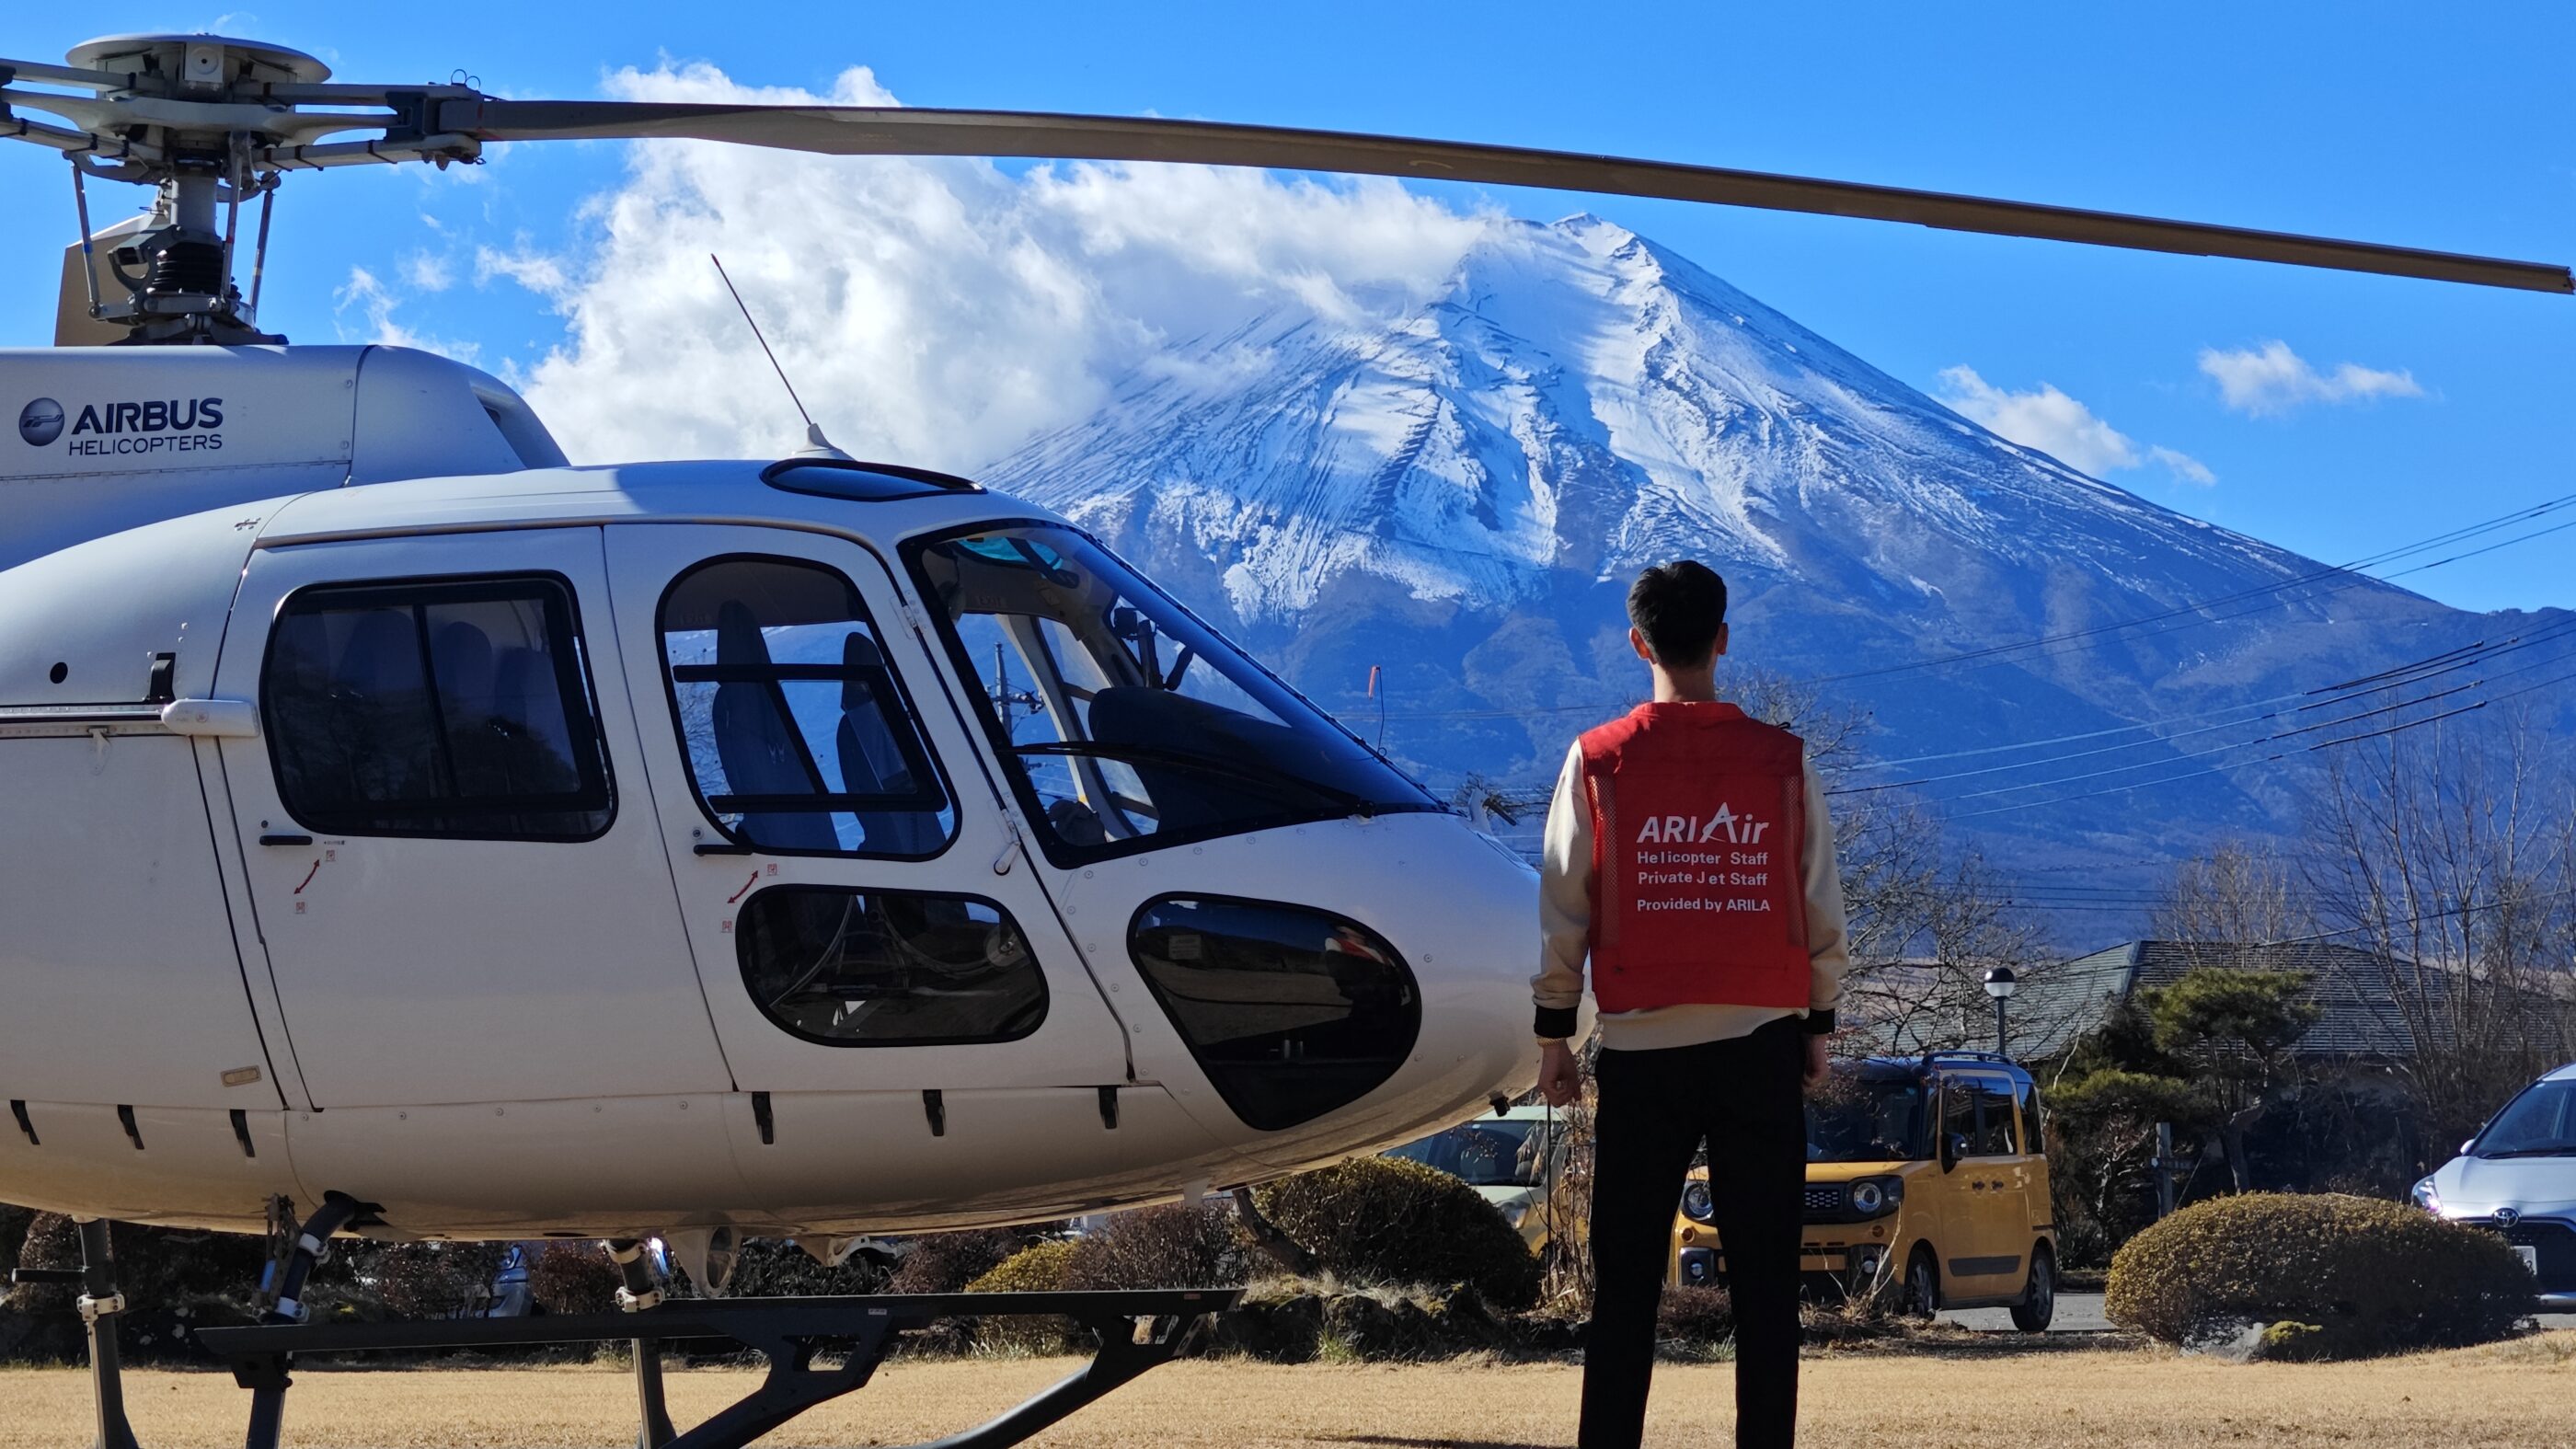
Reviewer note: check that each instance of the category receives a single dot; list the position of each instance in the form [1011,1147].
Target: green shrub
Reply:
[1171,1246]
[1388,1221]
[1038,1268]
[2358,1276]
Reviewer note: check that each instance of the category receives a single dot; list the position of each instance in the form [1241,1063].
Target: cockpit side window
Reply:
[458,708]
[799,738]
[1124,722]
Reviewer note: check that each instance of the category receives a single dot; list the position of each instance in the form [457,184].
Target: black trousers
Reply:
[1746,1097]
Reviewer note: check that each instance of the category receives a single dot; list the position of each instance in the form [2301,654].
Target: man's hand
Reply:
[1815,1073]
[1560,1074]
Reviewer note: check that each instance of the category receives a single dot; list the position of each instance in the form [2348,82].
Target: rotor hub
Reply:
[174,64]
[209,121]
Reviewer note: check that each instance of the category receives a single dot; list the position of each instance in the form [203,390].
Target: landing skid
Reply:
[1137,1330]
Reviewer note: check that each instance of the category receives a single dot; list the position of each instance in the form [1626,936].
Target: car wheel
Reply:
[1922,1296]
[2039,1300]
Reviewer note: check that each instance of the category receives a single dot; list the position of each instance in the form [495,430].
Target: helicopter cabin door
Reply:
[453,858]
[887,976]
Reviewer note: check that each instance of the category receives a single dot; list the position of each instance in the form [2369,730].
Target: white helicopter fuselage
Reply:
[389,809]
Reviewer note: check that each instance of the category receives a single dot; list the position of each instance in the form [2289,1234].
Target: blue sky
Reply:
[2383,122]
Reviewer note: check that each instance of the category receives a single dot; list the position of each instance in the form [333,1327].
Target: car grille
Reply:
[2556,1245]
[1824,1199]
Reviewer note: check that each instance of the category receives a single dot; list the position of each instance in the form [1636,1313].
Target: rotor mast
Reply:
[209,123]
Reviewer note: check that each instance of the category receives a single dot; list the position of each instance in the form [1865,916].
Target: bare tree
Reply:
[1926,919]
[2447,853]
[2242,893]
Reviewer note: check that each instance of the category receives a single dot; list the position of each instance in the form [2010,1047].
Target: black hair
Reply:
[1679,607]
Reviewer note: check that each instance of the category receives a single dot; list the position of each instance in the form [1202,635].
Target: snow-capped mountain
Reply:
[1462,495]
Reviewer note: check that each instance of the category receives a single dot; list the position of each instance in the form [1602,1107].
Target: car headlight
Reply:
[1870,1196]
[1696,1204]
[1517,1213]
[2426,1198]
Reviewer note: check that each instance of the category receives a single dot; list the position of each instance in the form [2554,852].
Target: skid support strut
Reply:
[638,1294]
[265,1375]
[1137,1330]
[100,1304]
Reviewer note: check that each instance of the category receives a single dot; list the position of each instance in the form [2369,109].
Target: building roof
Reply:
[2356,992]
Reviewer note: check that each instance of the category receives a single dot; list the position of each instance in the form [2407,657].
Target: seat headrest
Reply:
[862,664]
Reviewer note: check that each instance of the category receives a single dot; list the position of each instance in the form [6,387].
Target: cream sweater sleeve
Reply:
[1828,940]
[1564,903]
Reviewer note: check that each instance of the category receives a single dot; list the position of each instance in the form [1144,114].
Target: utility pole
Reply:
[2164,1165]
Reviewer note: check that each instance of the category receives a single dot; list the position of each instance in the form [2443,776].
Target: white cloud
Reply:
[375,303]
[2061,427]
[2271,379]
[2186,467]
[428,272]
[939,311]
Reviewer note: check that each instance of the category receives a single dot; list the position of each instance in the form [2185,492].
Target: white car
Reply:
[1508,1158]
[2518,1177]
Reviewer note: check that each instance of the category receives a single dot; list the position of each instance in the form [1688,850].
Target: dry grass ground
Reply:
[2502,1397]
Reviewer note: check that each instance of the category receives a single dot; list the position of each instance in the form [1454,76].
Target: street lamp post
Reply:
[2000,984]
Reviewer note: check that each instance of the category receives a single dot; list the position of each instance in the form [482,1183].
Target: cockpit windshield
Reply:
[1126,722]
[1853,1117]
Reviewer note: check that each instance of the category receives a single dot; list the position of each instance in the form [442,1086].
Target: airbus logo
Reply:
[40,422]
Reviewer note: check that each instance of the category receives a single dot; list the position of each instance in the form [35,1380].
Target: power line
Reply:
[2196,609]
[2464,909]
[2417,672]
[2520,515]
[2267,759]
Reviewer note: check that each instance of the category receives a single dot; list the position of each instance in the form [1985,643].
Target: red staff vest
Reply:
[1698,829]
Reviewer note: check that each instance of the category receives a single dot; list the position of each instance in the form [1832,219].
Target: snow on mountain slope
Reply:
[1462,496]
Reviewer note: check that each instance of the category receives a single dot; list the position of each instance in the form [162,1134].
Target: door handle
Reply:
[719,847]
[286,840]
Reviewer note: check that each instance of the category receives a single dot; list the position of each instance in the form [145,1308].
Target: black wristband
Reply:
[1555,1023]
[1820,1023]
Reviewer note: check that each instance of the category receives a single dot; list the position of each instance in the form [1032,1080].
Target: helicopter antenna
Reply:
[816,445]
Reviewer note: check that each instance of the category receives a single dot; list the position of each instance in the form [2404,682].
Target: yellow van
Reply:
[1927,1185]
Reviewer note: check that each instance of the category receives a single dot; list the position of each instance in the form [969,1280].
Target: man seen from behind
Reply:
[1689,861]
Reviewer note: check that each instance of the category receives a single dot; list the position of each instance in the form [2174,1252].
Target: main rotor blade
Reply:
[907,131]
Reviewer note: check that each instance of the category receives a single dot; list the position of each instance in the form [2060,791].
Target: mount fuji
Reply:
[1459,497]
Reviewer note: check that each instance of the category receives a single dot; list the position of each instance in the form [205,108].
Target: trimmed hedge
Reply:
[1039,1268]
[2356,1276]
[1173,1245]
[1385,1220]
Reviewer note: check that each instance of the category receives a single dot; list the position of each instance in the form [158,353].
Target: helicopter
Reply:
[468,845]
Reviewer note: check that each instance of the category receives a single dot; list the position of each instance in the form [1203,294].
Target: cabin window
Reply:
[455,708]
[1291,1012]
[799,739]
[888,968]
